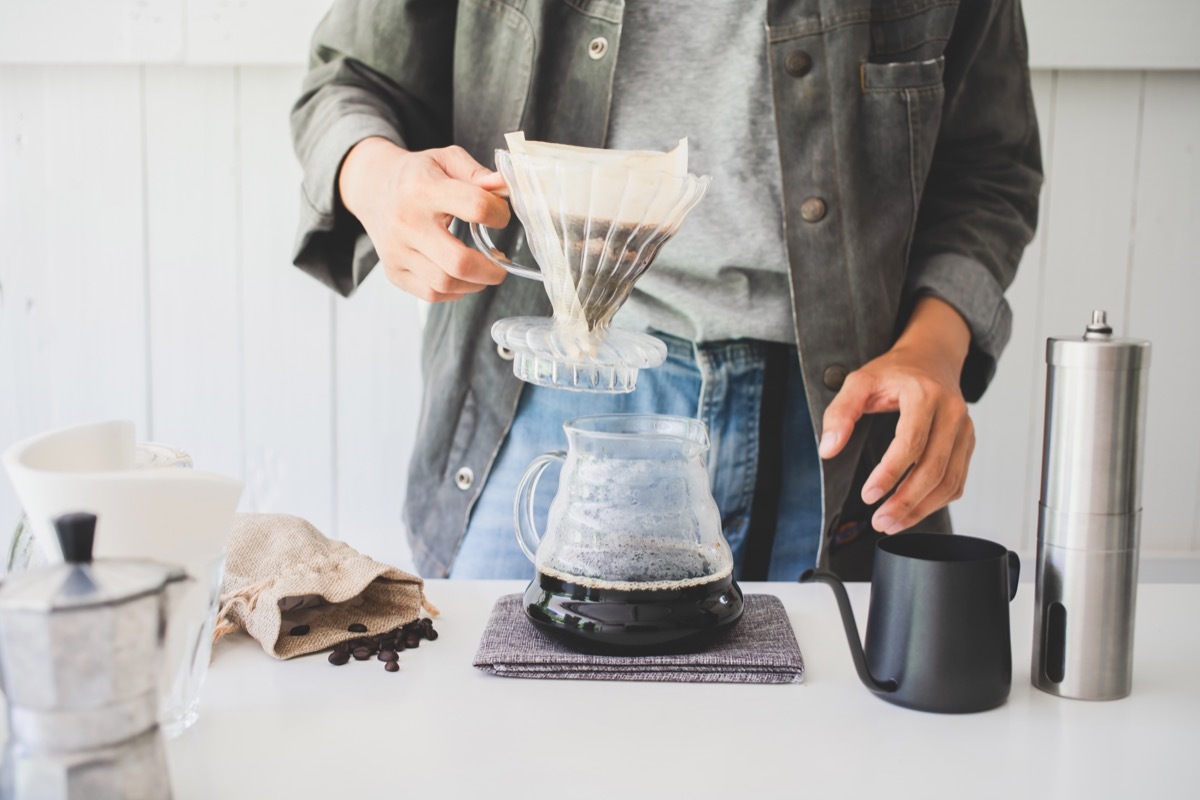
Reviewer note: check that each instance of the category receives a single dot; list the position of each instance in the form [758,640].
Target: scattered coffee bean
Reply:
[385,646]
[298,630]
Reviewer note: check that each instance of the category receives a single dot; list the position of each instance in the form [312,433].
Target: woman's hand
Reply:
[919,377]
[406,201]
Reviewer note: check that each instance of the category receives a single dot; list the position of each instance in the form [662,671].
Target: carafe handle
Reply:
[483,243]
[527,533]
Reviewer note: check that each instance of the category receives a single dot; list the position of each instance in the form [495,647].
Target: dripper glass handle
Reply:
[483,243]
[527,533]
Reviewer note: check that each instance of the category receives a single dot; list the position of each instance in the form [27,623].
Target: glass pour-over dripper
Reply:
[595,220]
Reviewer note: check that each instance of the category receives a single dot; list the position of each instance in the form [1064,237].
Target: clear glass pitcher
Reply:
[633,558]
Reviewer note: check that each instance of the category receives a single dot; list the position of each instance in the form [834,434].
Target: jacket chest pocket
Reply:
[910,30]
[899,114]
[901,78]
[907,96]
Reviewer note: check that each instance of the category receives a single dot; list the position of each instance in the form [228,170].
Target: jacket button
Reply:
[797,63]
[505,353]
[464,478]
[597,48]
[812,209]
[834,377]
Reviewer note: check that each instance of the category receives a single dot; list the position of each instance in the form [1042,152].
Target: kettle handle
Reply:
[527,533]
[1014,574]
[483,243]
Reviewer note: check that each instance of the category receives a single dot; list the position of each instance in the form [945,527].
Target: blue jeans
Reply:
[719,383]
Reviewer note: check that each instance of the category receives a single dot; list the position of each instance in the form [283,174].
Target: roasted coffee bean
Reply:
[412,640]
[342,647]
[431,634]
[362,653]
[298,630]
[357,627]
[426,623]
[387,655]
[392,666]
[338,658]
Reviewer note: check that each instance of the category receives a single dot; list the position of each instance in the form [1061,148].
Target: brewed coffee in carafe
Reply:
[633,559]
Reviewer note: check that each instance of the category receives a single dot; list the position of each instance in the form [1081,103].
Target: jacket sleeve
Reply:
[376,68]
[979,207]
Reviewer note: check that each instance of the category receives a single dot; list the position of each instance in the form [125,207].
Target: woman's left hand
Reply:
[919,377]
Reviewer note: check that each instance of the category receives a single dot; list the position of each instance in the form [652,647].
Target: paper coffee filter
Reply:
[595,219]
[628,186]
[674,161]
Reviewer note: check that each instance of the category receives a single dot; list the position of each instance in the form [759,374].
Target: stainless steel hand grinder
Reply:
[1089,518]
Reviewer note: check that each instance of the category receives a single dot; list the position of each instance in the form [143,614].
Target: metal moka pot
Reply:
[81,646]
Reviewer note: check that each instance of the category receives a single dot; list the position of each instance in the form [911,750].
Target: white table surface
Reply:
[441,728]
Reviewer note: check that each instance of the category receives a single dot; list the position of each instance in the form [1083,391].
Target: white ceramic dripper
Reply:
[176,516]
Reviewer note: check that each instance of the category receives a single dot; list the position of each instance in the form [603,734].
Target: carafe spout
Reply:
[856,649]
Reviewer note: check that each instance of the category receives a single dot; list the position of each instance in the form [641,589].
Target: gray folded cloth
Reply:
[761,648]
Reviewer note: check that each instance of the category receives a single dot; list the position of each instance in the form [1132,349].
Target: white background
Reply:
[148,199]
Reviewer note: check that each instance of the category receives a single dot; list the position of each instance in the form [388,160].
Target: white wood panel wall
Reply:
[147,208]
[1063,34]
[144,274]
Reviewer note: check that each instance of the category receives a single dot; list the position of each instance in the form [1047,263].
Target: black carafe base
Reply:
[606,621]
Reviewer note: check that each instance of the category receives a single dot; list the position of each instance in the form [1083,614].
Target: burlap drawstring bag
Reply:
[282,572]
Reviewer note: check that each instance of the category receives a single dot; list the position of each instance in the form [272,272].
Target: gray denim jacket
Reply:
[910,165]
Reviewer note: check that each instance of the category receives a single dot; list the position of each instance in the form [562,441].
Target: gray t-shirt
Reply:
[699,69]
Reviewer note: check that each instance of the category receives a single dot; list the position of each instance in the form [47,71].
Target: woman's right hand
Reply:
[406,200]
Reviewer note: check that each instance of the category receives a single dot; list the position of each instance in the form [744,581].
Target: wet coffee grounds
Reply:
[386,647]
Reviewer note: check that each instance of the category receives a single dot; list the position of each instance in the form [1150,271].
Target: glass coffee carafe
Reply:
[633,559]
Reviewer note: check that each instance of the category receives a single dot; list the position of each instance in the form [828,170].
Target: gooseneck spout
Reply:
[856,648]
